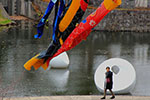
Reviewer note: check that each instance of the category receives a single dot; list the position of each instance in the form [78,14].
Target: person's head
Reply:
[107,69]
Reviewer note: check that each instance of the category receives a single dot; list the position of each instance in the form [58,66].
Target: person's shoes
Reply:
[103,98]
[112,97]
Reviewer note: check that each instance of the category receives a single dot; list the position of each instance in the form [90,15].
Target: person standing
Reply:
[108,85]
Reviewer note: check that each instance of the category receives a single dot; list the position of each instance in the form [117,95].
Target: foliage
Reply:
[4,21]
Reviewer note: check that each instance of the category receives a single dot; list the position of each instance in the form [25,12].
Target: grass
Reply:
[4,21]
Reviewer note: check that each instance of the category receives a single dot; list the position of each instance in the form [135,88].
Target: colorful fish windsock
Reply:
[78,34]
[67,25]
[72,15]
[84,28]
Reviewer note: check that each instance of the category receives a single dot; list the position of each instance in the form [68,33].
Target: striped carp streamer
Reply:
[69,35]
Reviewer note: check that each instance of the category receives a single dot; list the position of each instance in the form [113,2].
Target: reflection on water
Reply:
[17,45]
[140,53]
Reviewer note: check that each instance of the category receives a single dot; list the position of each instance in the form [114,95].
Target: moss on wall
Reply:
[3,20]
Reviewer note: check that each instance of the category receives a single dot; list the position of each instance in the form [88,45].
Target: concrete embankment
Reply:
[78,98]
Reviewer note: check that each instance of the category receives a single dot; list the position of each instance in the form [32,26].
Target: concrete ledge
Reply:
[78,98]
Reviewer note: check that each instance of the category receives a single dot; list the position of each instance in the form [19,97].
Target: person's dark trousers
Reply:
[105,90]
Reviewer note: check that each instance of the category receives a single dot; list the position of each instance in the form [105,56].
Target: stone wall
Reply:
[125,3]
[117,20]
[120,20]
[126,21]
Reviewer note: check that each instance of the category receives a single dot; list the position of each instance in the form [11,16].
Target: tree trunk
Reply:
[141,3]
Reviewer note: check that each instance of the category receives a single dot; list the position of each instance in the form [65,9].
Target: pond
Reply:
[17,45]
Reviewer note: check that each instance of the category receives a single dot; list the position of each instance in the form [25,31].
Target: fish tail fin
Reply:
[45,66]
[36,63]
[28,65]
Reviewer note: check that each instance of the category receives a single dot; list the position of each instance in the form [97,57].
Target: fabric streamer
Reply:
[68,22]
[77,35]
[62,4]
[40,26]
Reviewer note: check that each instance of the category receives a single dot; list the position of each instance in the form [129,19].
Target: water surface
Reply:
[17,45]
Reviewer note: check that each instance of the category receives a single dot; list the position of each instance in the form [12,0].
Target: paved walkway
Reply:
[77,98]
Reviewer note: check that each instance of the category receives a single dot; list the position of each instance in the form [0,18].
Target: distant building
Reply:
[17,7]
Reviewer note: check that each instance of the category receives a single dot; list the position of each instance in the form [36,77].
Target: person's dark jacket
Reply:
[109,80]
